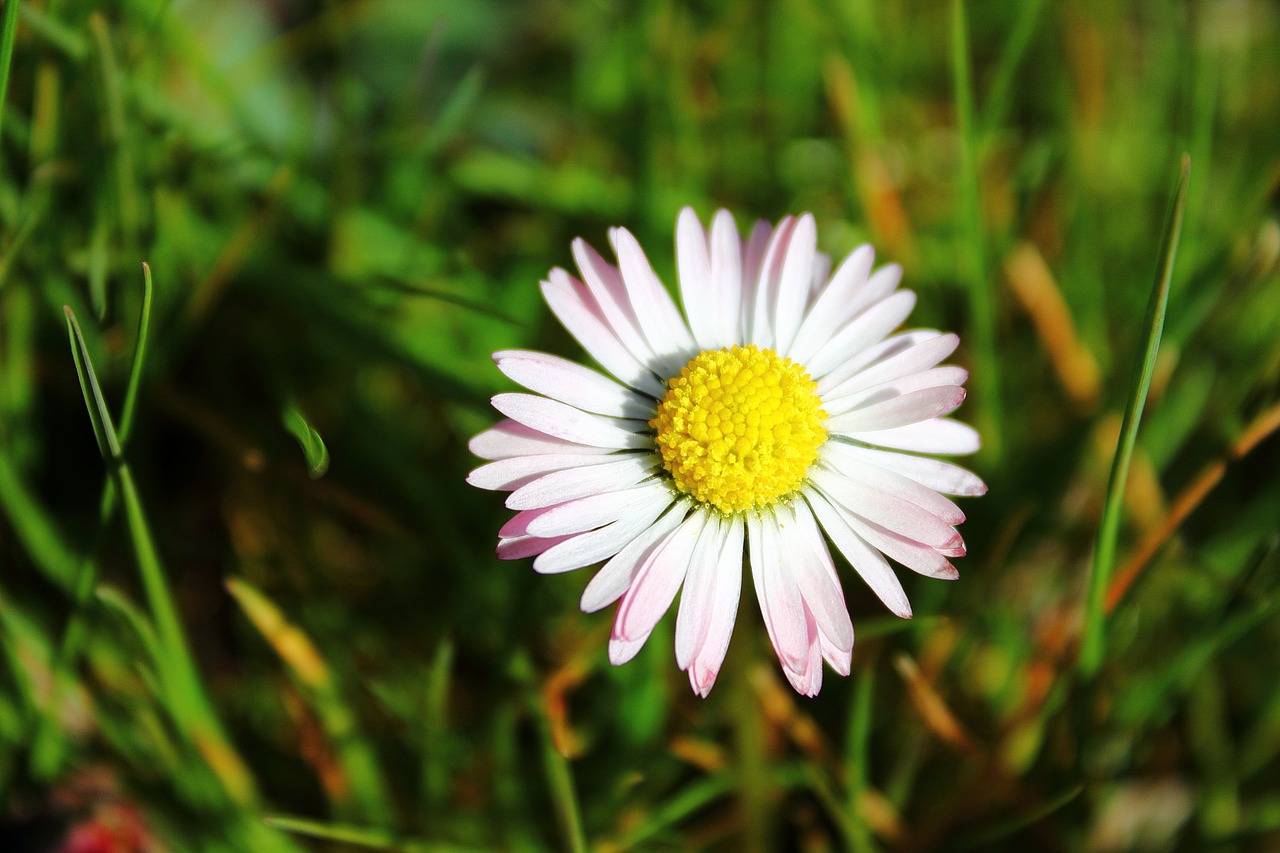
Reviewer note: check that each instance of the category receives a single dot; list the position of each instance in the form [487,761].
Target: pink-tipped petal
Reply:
[893,513]
[727,588]
[616,575]
[658,580]
[869,563]
[777,592]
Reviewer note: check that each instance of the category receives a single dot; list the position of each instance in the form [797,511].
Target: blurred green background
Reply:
[346,206]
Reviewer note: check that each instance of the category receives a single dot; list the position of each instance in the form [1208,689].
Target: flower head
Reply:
[780,406]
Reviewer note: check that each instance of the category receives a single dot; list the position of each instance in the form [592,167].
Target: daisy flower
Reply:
[778,408]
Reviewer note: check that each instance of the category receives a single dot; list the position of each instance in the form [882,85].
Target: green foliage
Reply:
[348,206]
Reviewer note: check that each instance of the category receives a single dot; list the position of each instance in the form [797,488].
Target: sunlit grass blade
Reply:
[358,836]
[361,792]
[1093,640]
[182,685]
[317,455]
[982,295]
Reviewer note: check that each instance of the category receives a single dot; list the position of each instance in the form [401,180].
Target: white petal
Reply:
[516,471]
[605,283]
[621,651]
[777,592]
[893,513]
[587,513]
[841,659]
[940,435]
[583,481]
[564,421]
[866,561]
[728,285]
[844,459]
[816,576]
[919,558]
[920,357]
[794,280]
[872,355]
[725,594]
[698,596]
[519,547]
[602,543]
[868,328]
[568,300]
[507,439]
[830,311]
[658,580]
[616,575]
[923,405]
[697,290]
[761,330]
[660,320]
[937,377]
[753,261]
[569,382]
[940,476]
[807,679]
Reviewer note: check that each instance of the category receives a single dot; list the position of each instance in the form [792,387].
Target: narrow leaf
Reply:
[309,440]
[1092,646]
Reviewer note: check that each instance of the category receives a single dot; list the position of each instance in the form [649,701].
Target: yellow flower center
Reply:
[739,427]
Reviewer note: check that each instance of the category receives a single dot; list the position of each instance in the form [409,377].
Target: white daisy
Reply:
[782,409]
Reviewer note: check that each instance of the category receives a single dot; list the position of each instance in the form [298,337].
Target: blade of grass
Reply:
[857,753]
[1092,646]
[435,731]
[982,296]
[45,756]
[364,795]
[996,108]
[559,777]
[8,32]
[182,685]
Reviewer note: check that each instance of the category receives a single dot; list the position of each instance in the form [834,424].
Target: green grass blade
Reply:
[103,431]
[8,32]
[857,752]
[139,358]
[183,688]
[342,833]
[1092,646]
[37,532]
[982,296]
[996,107]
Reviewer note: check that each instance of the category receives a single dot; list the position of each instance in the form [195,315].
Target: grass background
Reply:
[279,597]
